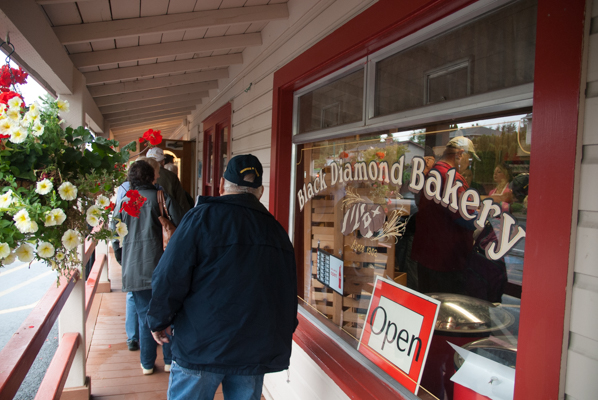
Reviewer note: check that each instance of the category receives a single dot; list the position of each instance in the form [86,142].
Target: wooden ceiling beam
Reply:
[127,54]
[81,33]
[151,120]
[117,74]
[155,83]
[191,98]
[142,112]
[196,88]
[142,127]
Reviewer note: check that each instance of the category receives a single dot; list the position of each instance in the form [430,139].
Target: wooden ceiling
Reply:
[148,63]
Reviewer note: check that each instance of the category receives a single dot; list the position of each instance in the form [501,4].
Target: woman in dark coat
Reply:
[141,251]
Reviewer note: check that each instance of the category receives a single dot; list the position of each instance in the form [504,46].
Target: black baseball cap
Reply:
[242,165]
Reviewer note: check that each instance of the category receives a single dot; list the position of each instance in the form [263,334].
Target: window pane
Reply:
[358,201]
[223,150]
[337,103]
[210,166]
[491,53]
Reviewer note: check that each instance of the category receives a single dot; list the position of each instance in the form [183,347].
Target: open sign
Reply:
[398,331]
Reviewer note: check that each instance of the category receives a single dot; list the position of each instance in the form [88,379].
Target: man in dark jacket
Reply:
[228,284]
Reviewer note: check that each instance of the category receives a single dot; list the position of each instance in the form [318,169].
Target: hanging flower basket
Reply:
[55,183]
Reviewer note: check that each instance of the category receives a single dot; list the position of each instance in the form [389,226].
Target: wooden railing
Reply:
[20,352]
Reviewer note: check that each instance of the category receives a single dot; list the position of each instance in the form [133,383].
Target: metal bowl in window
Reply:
[466,315]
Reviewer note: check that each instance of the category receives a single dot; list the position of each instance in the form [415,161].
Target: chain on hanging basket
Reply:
[55,183]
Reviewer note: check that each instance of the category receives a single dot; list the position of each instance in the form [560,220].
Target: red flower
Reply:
[380,154]
[133,205]
[5,96]
[110,207]
[154,137]
[4,136]
[343,154]
[18,76]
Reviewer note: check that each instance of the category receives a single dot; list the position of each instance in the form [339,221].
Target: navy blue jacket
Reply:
[228,283]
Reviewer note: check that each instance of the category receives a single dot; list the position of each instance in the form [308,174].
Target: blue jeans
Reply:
[187,384]
[147,344]
[131,320]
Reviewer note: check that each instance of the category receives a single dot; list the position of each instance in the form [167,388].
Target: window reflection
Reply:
[369,201]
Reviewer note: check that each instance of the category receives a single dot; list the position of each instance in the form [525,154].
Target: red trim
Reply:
[91,284]
[213,125]
[21,350]
[55,378]
[338,365]
[556,97]
[557,78]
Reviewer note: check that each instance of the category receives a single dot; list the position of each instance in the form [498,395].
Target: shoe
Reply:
[133,345]
[147,371]
[166,367]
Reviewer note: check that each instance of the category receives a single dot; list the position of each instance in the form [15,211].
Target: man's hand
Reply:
[160,336]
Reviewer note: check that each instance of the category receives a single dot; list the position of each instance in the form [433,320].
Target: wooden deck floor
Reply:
[114,370]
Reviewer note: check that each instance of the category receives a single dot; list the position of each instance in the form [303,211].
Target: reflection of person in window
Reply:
[443,239]
[468,175]
[502,193]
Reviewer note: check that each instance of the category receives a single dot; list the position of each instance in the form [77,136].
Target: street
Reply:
[21,287]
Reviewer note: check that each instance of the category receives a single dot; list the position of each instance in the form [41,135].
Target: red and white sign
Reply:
[398,331]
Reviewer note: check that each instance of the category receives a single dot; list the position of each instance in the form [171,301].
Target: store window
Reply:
[217,150]
[490,53]
[439,207]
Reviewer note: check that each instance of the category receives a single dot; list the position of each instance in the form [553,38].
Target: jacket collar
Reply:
[243,199]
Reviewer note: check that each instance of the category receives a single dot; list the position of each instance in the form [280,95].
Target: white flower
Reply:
[59,256]
[12,257]
[34,107]
[94,210]
[22,221]
[45,250]
[6,199]
[18,134]
[13,114]
[62,105]
[37,129]
[3,107]
[44,187]
[55,217]
[6,126]
[121,229]
[92,220]
[67,191]
[4,250]
[25,253]
[32,228]
[102,201]
[15,102]
[30,117]
[70,239]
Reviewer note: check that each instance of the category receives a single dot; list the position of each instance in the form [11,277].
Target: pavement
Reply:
[21,287]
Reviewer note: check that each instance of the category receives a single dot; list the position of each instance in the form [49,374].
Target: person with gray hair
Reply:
[228,283]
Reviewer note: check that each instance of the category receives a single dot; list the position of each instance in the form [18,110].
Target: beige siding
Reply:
[582,355]
[249,86]
[305,380]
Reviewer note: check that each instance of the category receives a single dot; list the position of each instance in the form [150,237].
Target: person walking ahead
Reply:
[228,284]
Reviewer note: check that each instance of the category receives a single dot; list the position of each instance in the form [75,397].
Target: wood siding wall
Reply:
[582,355]
[249,88]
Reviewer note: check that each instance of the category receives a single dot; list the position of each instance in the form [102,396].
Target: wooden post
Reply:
[72,319]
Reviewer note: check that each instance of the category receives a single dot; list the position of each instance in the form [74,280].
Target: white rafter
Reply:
[149,111]
[127,54]
[117,74]
[152,94]
[80,33]
[191,98]
[154,119]
[168,81]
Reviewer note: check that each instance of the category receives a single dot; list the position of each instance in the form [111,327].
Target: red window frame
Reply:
[213,127]
[559,45]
